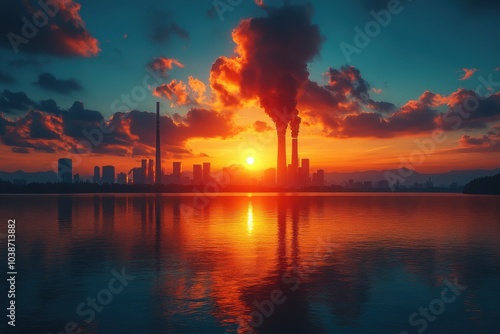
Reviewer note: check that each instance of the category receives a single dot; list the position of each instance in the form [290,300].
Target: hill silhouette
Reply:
[488,185]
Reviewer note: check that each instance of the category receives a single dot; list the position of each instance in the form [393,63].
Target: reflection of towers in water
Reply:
[65,212]
[150,172]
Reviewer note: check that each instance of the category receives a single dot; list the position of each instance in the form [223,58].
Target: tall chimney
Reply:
[295,125]
[158,150]
[281,168]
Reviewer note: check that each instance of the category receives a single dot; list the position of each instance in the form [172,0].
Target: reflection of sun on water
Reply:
[250,219]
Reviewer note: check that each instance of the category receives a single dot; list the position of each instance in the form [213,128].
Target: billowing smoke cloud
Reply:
[271,60]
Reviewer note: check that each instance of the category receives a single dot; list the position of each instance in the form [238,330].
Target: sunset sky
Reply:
[425,78]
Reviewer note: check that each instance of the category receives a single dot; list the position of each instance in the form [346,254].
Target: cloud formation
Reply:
[468,73]
[64,33]
[163,27]
[6,77]
[48,128]
[163,65]
[345,109]
[270,62]
[49,82]
[11,102]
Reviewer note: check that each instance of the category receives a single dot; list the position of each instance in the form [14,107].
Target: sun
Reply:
[250,160]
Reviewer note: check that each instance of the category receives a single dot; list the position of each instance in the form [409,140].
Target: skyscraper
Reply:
[121,178]
[144,171]
[108,174]
[177,166]
[151,178]
[206,172]
[158,150]
[197,174]
[65,170]
[97,175]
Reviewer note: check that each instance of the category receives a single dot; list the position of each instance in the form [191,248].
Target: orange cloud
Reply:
[163,65]
[468,73]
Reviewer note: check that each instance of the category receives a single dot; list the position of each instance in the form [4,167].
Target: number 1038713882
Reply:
[11,246]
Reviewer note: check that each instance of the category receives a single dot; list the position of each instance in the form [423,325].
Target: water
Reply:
[269,263]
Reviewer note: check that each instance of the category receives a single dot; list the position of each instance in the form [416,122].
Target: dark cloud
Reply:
[11,102]
[6,78]
[50,106]
[468,110]
[490,142]
[3,124]
[66,36]
[345,109]
[163,65]
[35,130]
[164,27]
[50,82]
[48,128]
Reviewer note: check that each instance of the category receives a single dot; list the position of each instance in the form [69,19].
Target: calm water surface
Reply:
[268,263]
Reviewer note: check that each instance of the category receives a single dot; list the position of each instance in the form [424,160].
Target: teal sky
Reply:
[424,47]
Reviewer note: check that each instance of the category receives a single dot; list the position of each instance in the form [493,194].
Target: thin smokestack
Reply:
[158,148]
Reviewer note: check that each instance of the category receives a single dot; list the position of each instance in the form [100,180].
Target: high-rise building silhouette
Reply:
[197,174]
[206,172]
[76,178]
[65,170]
[97,175]
[151,178]
[108,174]
[318,179]
[121,178]
[144,171]
[158,149]
[177,172]
[137,175]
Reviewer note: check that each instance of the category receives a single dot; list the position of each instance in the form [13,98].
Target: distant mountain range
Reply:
[461,177]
